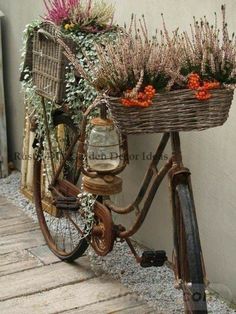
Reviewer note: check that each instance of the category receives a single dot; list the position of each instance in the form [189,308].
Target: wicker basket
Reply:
[49,63]
[173,112]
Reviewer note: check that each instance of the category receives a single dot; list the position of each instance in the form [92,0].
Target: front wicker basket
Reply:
[174,111]
[49,63]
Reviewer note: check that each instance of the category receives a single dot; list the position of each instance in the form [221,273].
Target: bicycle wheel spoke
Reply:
[76,225]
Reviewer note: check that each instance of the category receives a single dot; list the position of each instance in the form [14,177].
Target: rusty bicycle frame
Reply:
[153,178]
[65,196]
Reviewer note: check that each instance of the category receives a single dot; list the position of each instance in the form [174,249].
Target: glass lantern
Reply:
[103,148]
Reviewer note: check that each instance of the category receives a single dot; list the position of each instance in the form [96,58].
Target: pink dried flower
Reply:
[87,15]
[58,10]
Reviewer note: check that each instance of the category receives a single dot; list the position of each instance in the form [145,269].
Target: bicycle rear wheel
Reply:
[188,251]
[59,227]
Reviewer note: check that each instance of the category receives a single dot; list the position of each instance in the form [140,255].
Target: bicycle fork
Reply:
[179,174]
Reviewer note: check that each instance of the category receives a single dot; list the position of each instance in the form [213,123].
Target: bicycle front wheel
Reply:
[188,251]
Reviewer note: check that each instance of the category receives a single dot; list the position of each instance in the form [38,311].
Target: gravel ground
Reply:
[155,285]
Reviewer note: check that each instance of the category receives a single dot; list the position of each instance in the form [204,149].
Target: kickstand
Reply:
[137,257]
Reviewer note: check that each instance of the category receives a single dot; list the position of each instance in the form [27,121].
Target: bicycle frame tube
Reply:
[151,172]
[151,183]
[176,150]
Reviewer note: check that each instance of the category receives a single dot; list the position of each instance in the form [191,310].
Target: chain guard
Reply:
[102,234]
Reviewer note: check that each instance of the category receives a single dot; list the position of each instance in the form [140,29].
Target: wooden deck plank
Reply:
[126,304]
[21,241]
[139,309]
[13,221]
[17,261]
[44,278]
[44,254]
[8,210]
[33,280]
[4,200]
[61,299]
[26,226]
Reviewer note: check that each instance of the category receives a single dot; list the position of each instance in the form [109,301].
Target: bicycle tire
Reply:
[188,249]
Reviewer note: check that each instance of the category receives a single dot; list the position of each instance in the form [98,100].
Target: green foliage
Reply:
[79,94]
[87,201]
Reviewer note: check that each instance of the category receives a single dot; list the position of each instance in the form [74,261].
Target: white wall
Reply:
[211,155]
[17,15]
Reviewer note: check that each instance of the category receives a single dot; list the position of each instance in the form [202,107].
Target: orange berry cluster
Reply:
[143,99]
[211,85]
[203,94]
[202,88]
[194,81]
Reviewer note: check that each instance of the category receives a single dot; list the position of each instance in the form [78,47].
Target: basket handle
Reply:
[43,34]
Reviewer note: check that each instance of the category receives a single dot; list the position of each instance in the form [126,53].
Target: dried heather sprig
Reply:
[170,64]
[92,16]
[210,52]
[134,54]
[137,88]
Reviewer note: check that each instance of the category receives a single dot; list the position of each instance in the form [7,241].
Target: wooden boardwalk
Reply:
[33,280]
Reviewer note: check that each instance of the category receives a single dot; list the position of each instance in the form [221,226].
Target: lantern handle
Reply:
[98,101]
[81,149]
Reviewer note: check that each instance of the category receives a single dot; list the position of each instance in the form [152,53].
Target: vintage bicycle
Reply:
[71,220]
[60,220]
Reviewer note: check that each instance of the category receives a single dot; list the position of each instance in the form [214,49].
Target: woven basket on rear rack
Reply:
[174,111]
[49,63]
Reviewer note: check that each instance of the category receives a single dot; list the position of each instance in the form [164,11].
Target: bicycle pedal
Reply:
[153,259]
[67,203]
[68,207]
[67,200]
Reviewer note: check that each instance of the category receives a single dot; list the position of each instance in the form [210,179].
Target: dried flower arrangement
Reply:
[168,76]
[171,62]
[133,62]
[209,52]
[137,70]
[80,15]
[208,56]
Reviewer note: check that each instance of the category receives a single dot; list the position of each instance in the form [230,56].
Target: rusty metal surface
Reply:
[100,186]
[102,235]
